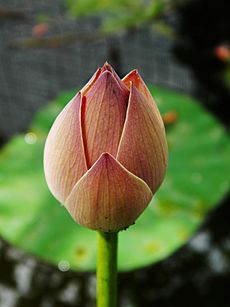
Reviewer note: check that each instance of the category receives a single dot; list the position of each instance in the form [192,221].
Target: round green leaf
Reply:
[197,179]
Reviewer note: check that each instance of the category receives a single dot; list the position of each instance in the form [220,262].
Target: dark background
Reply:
[199,273]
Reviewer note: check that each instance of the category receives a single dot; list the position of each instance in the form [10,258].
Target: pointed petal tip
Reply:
[137,80]
[108,77]
[106,64]
[133,76]
[106,159]
[107,67]
[134,72]
[105,156]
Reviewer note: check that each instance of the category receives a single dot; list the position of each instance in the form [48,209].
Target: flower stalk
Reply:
[107,269]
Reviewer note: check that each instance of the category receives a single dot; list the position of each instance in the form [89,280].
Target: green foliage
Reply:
[197,179]
[42,17]
[118,14]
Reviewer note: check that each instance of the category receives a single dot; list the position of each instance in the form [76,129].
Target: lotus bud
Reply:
[106,153]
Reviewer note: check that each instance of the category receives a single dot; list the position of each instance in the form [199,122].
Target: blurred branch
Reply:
[56,41]
[12,14]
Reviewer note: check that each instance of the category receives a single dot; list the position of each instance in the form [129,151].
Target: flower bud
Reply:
[106,153]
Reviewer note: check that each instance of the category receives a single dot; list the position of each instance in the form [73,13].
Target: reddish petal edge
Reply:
[108,197]
[64,158]
[136,79]
[109,68]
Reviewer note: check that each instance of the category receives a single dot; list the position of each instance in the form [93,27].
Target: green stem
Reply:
[106,269]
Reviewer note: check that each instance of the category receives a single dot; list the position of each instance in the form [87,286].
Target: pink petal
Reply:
[136,79]
[103,117]
[143,147]
[108,197]
[64,158]
[108,67]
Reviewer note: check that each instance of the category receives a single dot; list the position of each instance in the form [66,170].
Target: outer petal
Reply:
[108,197]
[103,117]
[143,147]
[64,158]
[136,79]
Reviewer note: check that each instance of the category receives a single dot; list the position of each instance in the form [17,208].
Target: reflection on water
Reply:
[197,275]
